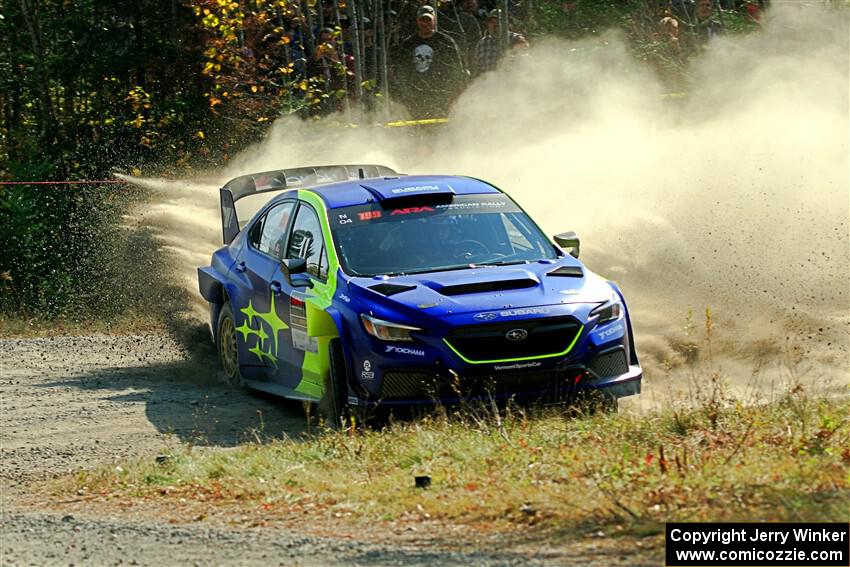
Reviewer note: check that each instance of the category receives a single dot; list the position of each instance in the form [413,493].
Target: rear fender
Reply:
[211,285]
[213,289]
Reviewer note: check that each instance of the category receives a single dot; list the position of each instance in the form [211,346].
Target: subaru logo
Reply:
[484,316]
[516,335]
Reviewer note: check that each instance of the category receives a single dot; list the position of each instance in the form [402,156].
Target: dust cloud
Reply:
[733,198]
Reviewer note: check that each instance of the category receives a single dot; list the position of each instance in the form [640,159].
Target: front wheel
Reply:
[334,403]
[228,353]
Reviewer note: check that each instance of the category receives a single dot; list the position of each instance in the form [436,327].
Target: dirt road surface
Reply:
[71,403]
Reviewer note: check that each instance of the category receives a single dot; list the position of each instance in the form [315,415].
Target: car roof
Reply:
[365,191]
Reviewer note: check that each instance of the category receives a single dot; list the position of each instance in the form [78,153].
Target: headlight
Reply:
[385,330]
[611,310]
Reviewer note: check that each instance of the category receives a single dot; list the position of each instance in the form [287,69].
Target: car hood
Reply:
[559,284]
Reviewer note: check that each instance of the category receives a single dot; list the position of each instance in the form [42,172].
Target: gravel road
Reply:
[69,403]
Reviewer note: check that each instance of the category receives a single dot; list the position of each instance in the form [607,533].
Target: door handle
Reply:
[276,288]
[240,267]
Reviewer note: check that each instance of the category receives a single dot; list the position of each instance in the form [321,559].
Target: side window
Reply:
[306,240]
[256,232]
[275,229]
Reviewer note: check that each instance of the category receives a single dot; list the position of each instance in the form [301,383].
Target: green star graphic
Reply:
[261,354]
[249,312]
[249,331]
[274,322]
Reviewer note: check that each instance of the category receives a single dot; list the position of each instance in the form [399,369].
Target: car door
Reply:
[305,241]
[259,321]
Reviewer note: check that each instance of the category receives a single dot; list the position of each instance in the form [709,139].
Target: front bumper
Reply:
[432,370]
[445,386]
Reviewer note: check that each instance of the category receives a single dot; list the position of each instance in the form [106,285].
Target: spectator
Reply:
[468,19]
[668,29]
[490,49]
[448,22]
[295,52]
[754,11]
[393,27]
[427,72]
[327,68]
[706,28]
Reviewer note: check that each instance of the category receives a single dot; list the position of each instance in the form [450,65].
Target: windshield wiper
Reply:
[429,270]
[501,263]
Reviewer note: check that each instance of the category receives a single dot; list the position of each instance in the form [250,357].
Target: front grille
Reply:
[420,385]
[489,342]
[609,364]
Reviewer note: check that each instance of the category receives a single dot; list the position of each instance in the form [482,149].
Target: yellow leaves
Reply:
[138,122]
[210,20]
[136,172]
[262,119]
[254,88]
[200,135]
[302,85]
[210,67]
[214,101]
[210,53]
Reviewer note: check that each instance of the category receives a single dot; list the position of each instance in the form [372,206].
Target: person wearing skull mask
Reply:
[428,72]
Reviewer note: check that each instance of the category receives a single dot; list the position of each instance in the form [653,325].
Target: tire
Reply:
[334,403]
[227,347]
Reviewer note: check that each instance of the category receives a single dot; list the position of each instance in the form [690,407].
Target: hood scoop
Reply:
[485,287]
[567,272]
[389,289]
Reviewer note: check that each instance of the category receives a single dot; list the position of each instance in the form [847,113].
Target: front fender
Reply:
[633,357]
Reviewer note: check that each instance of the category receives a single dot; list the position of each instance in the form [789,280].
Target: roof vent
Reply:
[567,272]
[484,287]
[389,289]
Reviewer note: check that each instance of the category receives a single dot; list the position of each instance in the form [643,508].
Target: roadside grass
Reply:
[545,471]
[525,473]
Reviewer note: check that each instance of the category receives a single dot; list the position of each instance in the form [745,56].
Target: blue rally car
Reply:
[356,286]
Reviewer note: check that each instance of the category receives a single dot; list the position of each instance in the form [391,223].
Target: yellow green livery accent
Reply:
[315,369]
[518,359]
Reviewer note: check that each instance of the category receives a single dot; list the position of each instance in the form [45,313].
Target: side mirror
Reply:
[296,267]
[569,240]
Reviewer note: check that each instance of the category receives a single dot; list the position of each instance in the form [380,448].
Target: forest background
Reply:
[89,88]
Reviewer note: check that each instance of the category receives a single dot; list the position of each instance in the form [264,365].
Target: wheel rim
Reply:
[228,348]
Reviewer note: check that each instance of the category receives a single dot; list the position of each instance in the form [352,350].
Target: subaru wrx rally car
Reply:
[356,286]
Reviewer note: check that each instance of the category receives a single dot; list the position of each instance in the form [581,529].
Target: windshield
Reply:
[473,229]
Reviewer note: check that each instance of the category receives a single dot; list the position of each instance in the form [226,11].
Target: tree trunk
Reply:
[49,128]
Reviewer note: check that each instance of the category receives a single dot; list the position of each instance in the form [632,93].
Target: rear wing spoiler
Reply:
[281,179]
